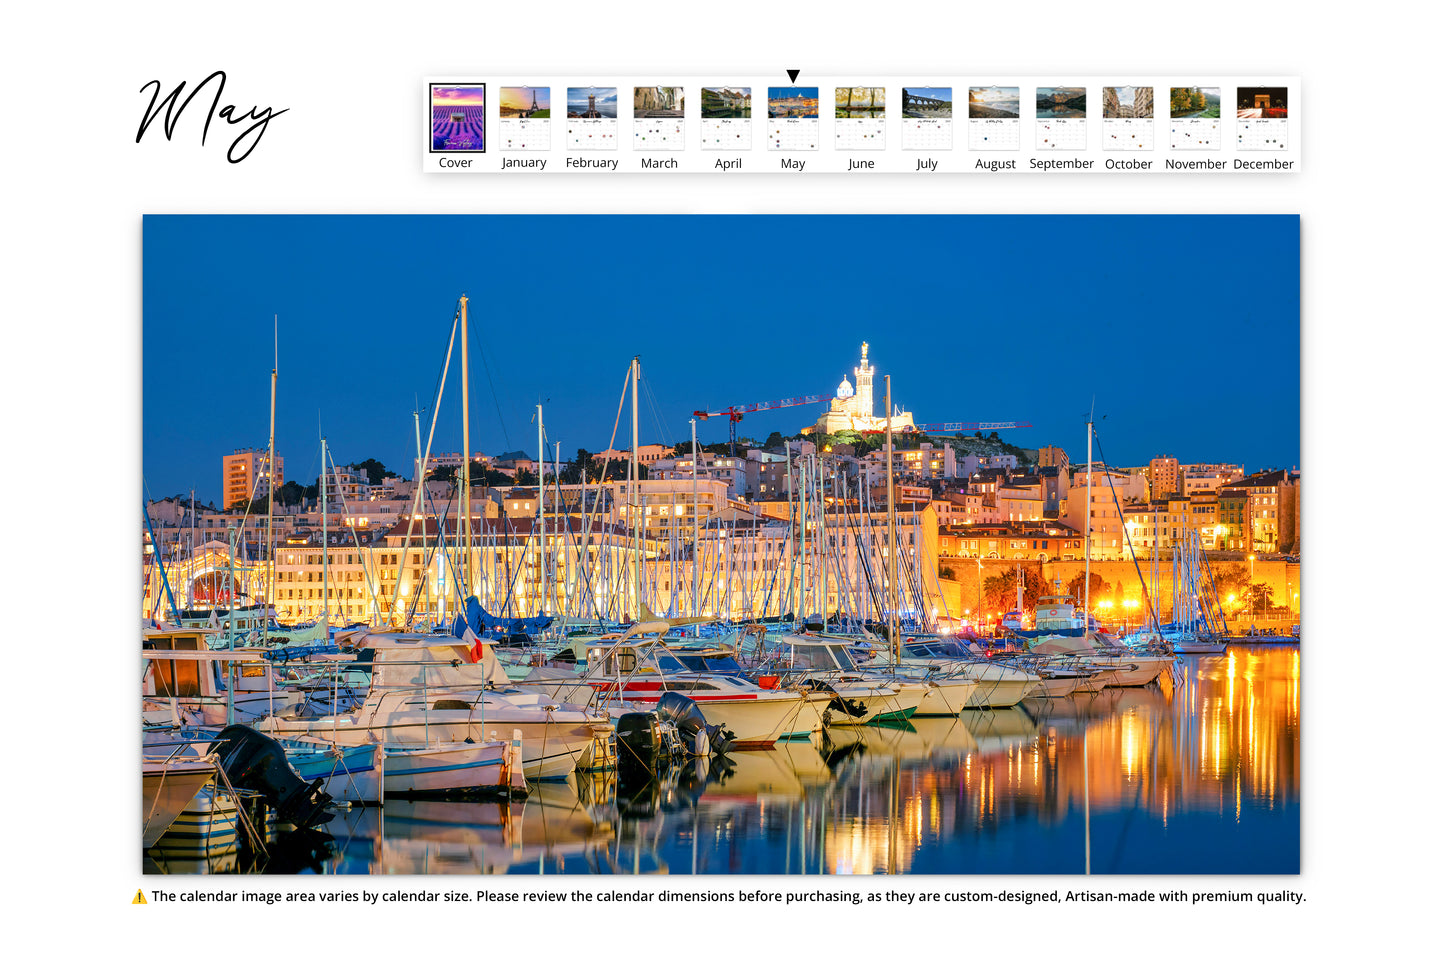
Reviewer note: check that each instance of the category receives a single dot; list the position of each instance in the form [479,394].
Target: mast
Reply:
[541,516]
[191,564]
[892,533]
[632,500]
[563,527]
[466,462]
[325,552]
[1088,516]
[271,479]
[417,492]
[696,526]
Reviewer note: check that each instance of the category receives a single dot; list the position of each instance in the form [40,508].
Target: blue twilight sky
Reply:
[1184,329]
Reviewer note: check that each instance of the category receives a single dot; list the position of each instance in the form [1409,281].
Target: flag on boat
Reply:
[475,645]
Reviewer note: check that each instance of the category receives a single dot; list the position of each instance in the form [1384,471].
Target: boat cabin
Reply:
[183,670]
[819,655]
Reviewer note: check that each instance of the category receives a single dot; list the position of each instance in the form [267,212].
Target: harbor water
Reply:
[1199,773]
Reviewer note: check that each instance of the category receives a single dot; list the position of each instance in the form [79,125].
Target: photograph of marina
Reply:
[792,101]
[928,103]
[1258,103]
[1186,102]
[858,102]
[725,102]
[1060,102]
[993,102]
[657,102]
[591,103]
[458,117]
[647,606]
[527,103]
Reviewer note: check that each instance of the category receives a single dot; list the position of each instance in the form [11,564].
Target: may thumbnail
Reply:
[793,102]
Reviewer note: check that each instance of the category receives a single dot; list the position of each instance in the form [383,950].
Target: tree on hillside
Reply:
[572,470]
[291,493]
[373,471]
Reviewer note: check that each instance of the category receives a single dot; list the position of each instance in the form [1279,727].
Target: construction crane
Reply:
[736,412]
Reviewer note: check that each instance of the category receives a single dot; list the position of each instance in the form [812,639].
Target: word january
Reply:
[174,107]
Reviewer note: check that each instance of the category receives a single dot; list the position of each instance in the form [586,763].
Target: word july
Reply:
[174,107]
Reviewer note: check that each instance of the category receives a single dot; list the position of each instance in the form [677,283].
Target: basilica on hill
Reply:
[852,408]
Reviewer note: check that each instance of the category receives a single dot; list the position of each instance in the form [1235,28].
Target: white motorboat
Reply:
[996,684]
[428,689]
[637,669]
[446,767]
[824,663]
[1118,666]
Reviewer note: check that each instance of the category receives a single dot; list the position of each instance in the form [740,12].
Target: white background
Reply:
[76,185]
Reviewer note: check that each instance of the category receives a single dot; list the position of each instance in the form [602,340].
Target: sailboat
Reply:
[1197,627]
[1120,665]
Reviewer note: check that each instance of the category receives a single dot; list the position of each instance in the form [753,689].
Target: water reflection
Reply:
[1199,775]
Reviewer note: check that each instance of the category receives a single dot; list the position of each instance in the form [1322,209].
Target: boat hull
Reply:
[166,789]
[463,767]
[863,704]
[347,773]
[1140,671]
[947,697]
[210,825]
[550,750]
[1055,687]
[1201,648]
[1000,693]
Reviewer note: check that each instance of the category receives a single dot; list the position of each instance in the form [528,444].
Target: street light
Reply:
[979,563]
[1252,592]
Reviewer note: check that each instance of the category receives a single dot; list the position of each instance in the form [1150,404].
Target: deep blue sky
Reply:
[1184,328]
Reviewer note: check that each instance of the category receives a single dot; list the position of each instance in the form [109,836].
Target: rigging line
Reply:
[652,406]
[492,387]
[442,368]
[431,551]
[366,567]
[611,445]
[1153,616]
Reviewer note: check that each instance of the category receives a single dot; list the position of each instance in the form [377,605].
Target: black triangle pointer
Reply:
[793,75]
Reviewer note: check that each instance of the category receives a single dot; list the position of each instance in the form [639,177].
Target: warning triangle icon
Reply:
[793,75]
[139,898]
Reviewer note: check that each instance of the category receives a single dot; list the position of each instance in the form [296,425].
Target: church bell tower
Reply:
[863,393]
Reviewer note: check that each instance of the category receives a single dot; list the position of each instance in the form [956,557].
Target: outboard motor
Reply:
[252,760]
[683,713]
[639,742]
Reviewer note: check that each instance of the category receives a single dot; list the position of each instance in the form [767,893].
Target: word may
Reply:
[174,107]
